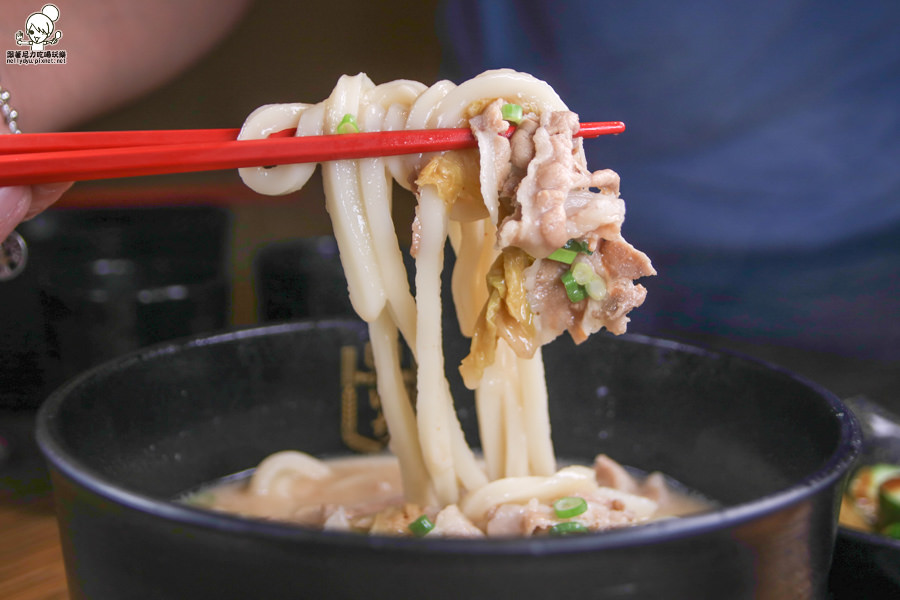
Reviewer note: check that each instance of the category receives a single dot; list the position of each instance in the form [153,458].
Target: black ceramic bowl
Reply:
[867,565]
[125,438]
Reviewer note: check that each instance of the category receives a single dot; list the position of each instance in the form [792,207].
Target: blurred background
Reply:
[194,258]
[93,252]
[277,53]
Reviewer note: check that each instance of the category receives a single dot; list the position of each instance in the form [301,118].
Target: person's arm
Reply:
[116,50]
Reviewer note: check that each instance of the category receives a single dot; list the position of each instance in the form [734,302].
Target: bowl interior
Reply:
[169,418]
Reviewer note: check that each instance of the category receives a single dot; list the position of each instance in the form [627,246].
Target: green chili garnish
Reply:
[570,506]
[574,291]
[512,113]
[348,124]
[563,255]
[568,527]
[421,526]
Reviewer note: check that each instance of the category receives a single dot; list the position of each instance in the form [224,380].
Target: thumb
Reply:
[43,195]
[14,204]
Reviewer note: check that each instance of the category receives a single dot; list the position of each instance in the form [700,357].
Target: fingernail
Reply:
[52,188]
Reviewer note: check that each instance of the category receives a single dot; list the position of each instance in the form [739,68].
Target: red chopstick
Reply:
[84,140]
[79,156]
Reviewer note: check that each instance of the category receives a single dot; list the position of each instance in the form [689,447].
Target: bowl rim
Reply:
[833,469]
[868,538]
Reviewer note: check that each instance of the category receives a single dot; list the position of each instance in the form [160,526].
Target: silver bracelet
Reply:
[10,115]
[13,250]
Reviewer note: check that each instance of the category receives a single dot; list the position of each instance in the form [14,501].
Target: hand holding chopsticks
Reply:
[51,157]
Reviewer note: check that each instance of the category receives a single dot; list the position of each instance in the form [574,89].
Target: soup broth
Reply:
[365,494]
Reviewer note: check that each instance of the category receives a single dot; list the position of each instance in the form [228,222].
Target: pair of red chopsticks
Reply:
[79,156]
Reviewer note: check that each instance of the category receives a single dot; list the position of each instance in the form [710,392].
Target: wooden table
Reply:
[31,562]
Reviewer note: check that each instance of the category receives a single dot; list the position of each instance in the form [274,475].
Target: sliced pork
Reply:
[541,196]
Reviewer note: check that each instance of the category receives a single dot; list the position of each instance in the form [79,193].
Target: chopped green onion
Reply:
[892,531]
[596,288]
[569,251]
[421,526]
[574,291]
[866,481]
[568,527]
[583,273]
[889,501]
[580,275]
[512,113]
[570,506]
[563,255]
[348,124]
[578,246]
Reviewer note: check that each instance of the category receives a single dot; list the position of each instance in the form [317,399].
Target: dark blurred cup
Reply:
[102,282]
[100,309]
[303,278]
[300,279]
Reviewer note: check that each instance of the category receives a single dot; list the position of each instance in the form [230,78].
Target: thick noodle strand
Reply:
[343,200]
[532,383]
[431,401]
[398,411]
[511,402]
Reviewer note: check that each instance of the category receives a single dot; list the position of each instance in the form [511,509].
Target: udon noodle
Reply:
[539,251]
